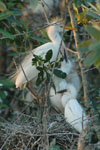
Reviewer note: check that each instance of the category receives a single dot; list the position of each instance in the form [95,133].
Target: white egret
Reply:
[64,100]
[29,72]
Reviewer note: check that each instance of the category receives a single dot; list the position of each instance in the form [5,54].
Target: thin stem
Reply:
[44,11]
[78,54]
[45,112]
[33,94]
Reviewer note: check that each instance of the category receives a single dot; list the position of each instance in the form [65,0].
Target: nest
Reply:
[27,132]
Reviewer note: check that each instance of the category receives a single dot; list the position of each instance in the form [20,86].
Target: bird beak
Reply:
[65,56]
[69,28]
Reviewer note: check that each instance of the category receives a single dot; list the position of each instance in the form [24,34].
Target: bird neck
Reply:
[55,38]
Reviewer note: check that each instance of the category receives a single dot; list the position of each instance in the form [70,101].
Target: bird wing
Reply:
[26,71]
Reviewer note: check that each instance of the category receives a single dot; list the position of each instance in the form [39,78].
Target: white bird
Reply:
[75,114]
[64,100]
[30,72]
[60,85]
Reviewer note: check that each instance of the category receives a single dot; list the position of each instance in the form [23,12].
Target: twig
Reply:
[80,145]
[57,56]
[45,112]
[82,135]
[78,54]
[71,51]
[15,64]
[44,11]
[33,94]
[22,34]
[23,70]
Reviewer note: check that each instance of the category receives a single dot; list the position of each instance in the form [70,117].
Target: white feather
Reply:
[75,115]
[71,93]
[30,71]
[74,79]
[66,101]
[57,99]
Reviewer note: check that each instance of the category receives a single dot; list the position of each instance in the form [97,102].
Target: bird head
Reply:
[55,28]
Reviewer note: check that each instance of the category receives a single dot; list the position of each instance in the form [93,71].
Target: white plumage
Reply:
[65,101]
[71,93]
[75,115]
[60,84]
[30,71]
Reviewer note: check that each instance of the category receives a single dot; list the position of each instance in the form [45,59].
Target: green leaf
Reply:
[94,31]
[83,47]
[2,95]
[89,1]
[94,46]
[38,82]
[48,76]
[98,6]
[35,60]
[91,58]
[77,3]
[44,33]
[39,68]
[5,15]
[25,24]
[17,13]
[6,82]
[12,19]
[7,34]
[2,7]
[92,6]
[97,63]
[59,73]
[48,56]
[94,15]
[3,105]
[42,40]
[40,78]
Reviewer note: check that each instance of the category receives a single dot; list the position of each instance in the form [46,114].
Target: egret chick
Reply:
[64,100]
[75,115]
[62,88]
